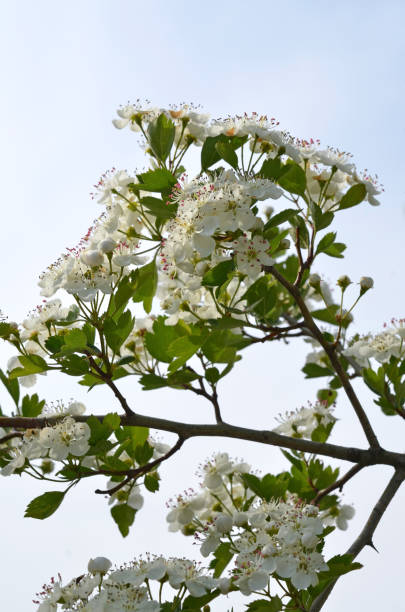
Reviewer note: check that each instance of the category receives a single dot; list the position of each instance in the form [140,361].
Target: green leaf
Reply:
[271,169]
[209,152]
[321,220]
[222,556]
[32,364]
[225,150]
[281,217]
[161,136]
[264,605]
[12,387]
[219,274]
[336,250]
[261,296]
[46,504]
[152,381]
[112,421]
[74,365]
[54,344]
[31,406]
[293,179]
[353,196]
[212,375]
[159,180]
[117,332]
[313,370]
[6,329]
[330,315]
[99,431]
[75,339]
[126,289]
[180,378]
[137,435]
[159,208]
[376,381]
[146,287]
[325,242]
[151,483]
[196,603]
[273,486]
[185,347]
[163,335]
[124,516]
[253,482]
[143,453]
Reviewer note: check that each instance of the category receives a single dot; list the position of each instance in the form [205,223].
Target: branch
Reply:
[339,484]
[112,386]
[365,537]
[143,469]
[330,351]
[10,436]
[224,430]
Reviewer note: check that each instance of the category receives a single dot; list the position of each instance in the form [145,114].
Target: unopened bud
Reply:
[268,211]
[343,282]
[314,280]
[92,258]
[284,243]
[47,466]
[366,283]
[99,565]
[107,245]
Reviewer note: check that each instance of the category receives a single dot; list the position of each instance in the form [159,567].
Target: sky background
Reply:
[332,71]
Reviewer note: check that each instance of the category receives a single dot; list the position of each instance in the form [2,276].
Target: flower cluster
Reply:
[267,537]
[302,422]
[58,442]
[129,587]
[380,347]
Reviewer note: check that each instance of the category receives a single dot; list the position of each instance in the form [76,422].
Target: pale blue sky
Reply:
[328,70]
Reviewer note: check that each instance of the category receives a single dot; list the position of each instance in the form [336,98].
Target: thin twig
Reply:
[365,537]
[113,387]
[143,469]
[10,436]
[330,350]
[339,484]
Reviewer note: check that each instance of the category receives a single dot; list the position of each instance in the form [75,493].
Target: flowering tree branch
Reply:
[339,484]
[141,471]
[191,430]
[365,538]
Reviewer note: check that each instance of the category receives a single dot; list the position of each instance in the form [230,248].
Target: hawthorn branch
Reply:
[109,383]
[331,353]
[365,538]
[339,484]
[376,456]
[10,436]
[141,471]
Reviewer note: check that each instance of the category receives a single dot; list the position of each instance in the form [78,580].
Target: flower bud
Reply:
[92,258]
[47,466]
[314,281]
[99,565]
[366,283]
[76,408]
[343,282]
[285,243]
[107,245]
